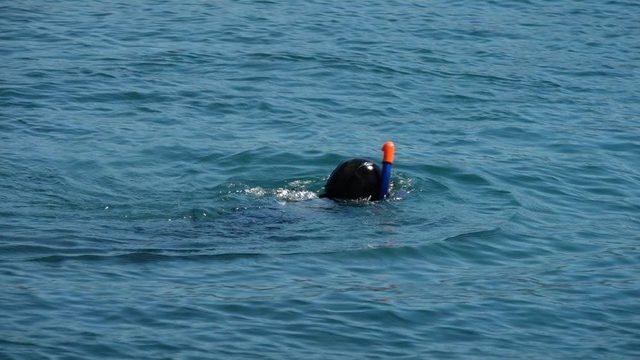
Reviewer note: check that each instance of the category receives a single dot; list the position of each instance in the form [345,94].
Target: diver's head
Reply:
[354,179]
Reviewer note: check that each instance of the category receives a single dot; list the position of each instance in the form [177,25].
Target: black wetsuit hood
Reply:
[354,179]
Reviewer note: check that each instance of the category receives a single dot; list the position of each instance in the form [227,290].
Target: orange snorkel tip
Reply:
[389,149]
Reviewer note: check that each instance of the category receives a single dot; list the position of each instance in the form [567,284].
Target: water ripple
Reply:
[160,165]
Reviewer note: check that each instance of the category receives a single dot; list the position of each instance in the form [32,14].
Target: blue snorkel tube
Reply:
[389,150]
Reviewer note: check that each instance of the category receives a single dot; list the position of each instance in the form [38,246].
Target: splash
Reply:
[296,190]
[295,195]
[256,192]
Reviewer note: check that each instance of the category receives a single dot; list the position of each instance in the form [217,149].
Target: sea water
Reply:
[160,165]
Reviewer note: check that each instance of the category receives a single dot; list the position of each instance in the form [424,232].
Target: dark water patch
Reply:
[131,96]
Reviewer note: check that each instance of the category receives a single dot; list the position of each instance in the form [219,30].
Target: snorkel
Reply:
[389,150]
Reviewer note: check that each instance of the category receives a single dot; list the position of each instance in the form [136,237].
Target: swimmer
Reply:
[361,179]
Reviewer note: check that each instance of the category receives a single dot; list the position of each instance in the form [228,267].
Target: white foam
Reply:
[256,191]
[295,195]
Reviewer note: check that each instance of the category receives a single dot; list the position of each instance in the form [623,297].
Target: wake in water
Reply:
[309,189]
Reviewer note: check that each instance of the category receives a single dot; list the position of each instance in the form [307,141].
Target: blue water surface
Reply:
[160,163]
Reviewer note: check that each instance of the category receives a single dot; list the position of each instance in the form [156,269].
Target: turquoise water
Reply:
[160,164]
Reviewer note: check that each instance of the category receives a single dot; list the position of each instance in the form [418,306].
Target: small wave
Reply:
[143,257]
